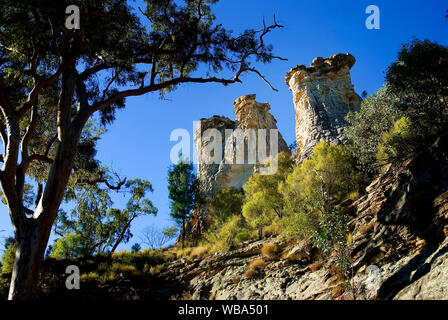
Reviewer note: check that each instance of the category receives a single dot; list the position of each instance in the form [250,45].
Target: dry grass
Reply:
[199,252]
[251,274]
[89,277]
[367,228]
[316,266]
[270,250]
[294,257]
[254,270]
[337,291]
[236,279]
[274,229]
[212,295]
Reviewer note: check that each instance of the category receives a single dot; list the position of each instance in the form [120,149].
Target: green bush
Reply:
[399,143]
[376,116]
[227,236]
[331,168]
[331,171]
[264,202]
[8,259]
[226,203]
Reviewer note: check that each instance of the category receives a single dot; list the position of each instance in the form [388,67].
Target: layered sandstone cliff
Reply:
[249,114]
[229,172]
[323,94]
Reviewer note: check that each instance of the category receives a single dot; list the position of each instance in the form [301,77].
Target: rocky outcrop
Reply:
[228,172]
[323,94]
[399,247]
[249,114]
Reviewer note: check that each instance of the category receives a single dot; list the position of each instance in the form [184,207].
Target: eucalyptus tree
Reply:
[54,81]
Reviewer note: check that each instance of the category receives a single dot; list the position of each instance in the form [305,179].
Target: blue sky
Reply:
[138,145]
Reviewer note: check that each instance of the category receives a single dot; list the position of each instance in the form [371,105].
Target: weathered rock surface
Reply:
[399,247]
[250,114]
[322,94]
[227,172]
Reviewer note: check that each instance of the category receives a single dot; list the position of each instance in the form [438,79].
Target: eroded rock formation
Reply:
[213,177]
[323,94]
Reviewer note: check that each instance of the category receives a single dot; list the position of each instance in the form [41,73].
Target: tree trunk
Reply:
[31,244]
[32,233]
[183,233]
[260,233]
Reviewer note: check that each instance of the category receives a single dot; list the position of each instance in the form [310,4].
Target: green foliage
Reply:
[331,168]
[69,246]
[94,226]
[332,231]
[231,233]
[332,171]
[8,258]
[263,200]
[399,143]
[301,217]
[418,78]
[376,116]
[183,192]
[226,203]
[170,232]
[136,247]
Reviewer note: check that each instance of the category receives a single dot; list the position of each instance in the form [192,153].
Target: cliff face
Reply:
[322,95]
[228,172]
[249,114]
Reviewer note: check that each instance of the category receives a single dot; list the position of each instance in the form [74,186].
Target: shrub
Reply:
[8,258]
[397,144]
[226,203]
[90,277]
[226,236]
[263,202]
[270,250]
[376,116]
[243,236]
[254,270]
[331,171]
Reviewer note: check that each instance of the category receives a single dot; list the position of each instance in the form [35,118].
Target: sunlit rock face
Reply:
[228,172]
[323,94]
[231,171]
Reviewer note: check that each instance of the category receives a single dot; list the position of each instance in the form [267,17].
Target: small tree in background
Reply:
[155,238]
[183,193]
[94,226]
[263,200]
[136,247]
